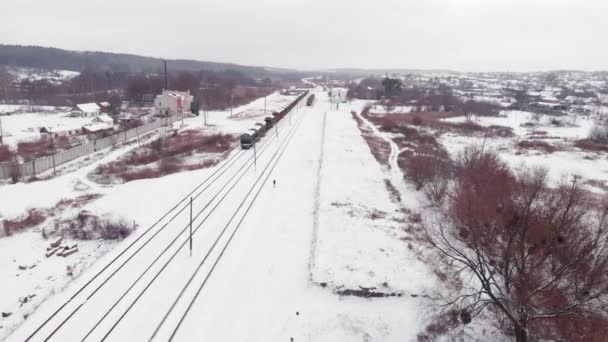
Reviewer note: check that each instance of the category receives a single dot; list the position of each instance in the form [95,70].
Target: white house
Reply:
[172,102]
[86,110]
[51,132]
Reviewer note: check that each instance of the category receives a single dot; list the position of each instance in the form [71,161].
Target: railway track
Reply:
[184,243]
[263,178]
[88,290]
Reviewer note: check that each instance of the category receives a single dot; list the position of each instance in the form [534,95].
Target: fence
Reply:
[33,167]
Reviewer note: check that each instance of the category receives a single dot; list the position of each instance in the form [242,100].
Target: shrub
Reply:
[599,134]
[216,143]
[144,173]
[115,229]
[437,186]
[590,145]
[169,165]
[32,218]
[167,152]
[537,145]
[422,168]
[35,149]
[531,248]
[87,226]
[6,154]
[417,120]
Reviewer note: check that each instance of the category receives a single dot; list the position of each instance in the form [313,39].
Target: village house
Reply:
[98,129]
[105,107]
[86,110]
[172,102]
[48,132]
[104,118]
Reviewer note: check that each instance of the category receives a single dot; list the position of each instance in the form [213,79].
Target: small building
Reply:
[49,132]
[105,107]
[172,102]
[97,128]
[86,110]
[548,108]
[104,118]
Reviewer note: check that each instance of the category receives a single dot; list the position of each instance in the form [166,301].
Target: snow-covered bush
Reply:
[87,226]
[599,134]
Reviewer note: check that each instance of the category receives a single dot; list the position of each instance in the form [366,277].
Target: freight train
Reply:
[252,135]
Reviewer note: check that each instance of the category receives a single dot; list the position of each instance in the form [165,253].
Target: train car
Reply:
[261,128]
[269,122]
[277,116]
[248,138]
[310,100]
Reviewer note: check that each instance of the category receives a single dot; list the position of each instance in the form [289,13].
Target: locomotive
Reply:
[310,100]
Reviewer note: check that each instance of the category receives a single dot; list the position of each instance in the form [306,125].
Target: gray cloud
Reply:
[469,35]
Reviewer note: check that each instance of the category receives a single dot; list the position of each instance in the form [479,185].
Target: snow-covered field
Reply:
[38,74]
[562,164]
[26,127]
[357,214]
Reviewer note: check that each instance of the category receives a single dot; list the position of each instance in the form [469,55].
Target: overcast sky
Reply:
[466,35]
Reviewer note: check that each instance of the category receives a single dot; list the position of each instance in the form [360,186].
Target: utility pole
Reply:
[54,152]
[191,226]
[231,95]
[166,82]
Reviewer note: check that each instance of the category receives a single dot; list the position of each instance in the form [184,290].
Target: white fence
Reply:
[39,165]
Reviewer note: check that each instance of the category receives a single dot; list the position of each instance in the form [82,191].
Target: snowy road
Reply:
[256,288]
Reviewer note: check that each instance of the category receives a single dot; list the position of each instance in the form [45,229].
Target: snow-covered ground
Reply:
[140,202]
[561,164]
[357,213]
[26,127]
[261,288]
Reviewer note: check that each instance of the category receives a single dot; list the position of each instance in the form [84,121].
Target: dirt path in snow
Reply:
[394,172]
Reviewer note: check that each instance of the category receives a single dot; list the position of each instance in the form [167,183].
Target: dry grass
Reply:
[538,145]
[32,218]
[6,155]
[45,147]
[380,149]
[87,226]
[590,145]
[167,156]
[36,216]
[394,193]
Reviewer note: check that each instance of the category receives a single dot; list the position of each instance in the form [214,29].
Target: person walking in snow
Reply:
[274,183]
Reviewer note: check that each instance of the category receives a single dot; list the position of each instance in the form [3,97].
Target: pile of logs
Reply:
[61,248]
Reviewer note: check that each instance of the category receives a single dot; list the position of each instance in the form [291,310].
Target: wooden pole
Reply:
[255,158]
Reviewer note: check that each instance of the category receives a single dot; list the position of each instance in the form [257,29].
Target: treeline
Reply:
[212,89]
[393,93]
[52,58]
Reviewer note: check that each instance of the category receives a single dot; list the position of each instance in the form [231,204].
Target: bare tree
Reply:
[537,257]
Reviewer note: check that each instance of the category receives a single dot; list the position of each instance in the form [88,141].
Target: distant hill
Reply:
[58,59]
